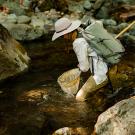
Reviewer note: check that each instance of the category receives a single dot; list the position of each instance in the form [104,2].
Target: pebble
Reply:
[1,92]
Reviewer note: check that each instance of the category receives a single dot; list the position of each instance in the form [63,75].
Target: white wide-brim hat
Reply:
[64,26]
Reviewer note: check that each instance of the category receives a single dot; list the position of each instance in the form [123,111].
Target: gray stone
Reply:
[117,120]
[15,8]
[132,30]
[26,3]
[3,17]
[87,5]
[76,7]
[48,27]
[23,19]
[129,39]
[13,57]
[103,13]
[24,31]
[36,22]
[40,15]
[112,29]
[72,131]
[110,22]
[122,26]
[98,4]
[11,18]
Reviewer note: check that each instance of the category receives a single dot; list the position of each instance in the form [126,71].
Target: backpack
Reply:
[103,43]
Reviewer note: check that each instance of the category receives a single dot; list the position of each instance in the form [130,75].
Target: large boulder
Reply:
[24,31]
[117,120]
[13,57]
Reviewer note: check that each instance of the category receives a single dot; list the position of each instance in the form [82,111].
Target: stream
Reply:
[33,103]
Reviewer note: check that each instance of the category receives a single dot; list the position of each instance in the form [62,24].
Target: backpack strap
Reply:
[92,65]
[109,80]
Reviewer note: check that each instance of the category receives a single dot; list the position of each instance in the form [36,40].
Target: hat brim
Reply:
[74,25]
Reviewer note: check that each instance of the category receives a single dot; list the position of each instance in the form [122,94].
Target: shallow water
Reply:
[54,109]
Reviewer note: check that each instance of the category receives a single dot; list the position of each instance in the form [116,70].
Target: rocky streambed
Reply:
[33,102]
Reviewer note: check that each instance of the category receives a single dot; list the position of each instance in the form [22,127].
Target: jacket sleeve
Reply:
[80,47]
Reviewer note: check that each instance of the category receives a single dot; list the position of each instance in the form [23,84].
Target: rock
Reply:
[74,16]
[13,57]
[121,26]
[120,74]
[72,131]
[103,13]
[2,17]
[37,23]
[30,28]
[129,39]
[54,14]
[132,31]
[117,120]
[40,15]
[77,7]
[98,4]
[24,31]
[11,18]
[61,5]
[87,5]
[26,3]
[15,8]
[44,5]
[112,29]
[110,22]
[48,27]
[23,19]
[124,1]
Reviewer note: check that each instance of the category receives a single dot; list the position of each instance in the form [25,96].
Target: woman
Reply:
[87,58]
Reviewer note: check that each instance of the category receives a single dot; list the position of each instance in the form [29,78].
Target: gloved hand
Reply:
[81,69]
[78,67]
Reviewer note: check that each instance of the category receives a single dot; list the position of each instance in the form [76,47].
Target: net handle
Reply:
[124,30]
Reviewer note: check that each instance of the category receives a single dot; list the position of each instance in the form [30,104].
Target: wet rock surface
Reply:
[118,119]
[13,57]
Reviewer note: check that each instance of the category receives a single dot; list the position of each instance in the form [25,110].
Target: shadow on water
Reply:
[50,109]
[41,116]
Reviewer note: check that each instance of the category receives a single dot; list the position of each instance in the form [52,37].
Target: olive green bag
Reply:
[103,43]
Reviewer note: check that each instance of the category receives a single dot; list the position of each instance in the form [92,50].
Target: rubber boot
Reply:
[88,87]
